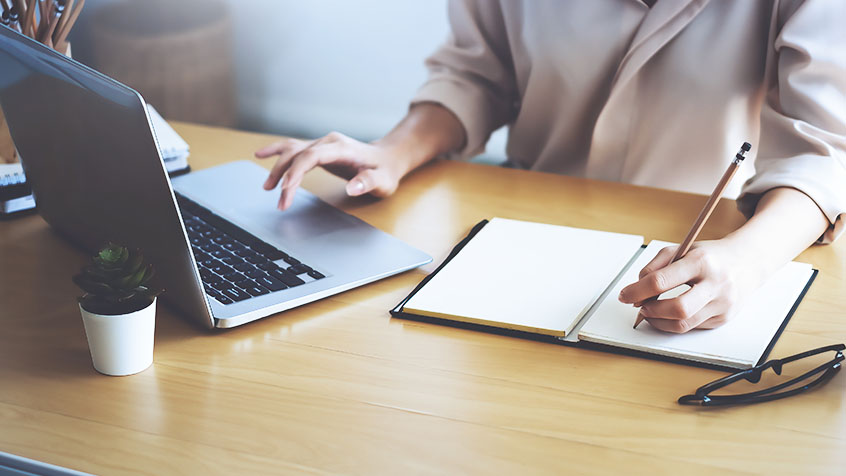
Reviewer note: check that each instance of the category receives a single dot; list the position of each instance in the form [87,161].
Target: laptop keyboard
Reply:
[234,264]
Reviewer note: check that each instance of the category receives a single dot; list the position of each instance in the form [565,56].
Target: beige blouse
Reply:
[663,97]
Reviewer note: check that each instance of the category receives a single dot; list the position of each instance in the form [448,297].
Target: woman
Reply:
[653,94]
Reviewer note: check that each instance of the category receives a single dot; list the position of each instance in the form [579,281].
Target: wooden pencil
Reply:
[63,20]
[28,25]
[56,10]
[706,210]
[60,37]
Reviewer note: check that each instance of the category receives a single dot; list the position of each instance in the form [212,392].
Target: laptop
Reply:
[223,252]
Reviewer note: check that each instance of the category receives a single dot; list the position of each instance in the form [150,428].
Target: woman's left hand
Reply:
[718,277]
[723,273]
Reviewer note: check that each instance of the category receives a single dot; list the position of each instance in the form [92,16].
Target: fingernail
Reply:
[354,188]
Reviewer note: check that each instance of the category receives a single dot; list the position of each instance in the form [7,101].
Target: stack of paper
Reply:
[173,148]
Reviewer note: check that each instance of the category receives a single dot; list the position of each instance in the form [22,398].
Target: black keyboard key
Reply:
[244,282]
[268,266]
[221,269]
[230,228]
[255,273]
[206,274]
[233,260]
[222,285]
[222,240]
[257,260]
[316,274]
[275,255]
[271,283]
[256,290]
[200,256]
[245,252]
[236,294]
[199,241]
[286,277]
[233,277]
[244,267]
[221,253]
[262,247]
[223,299]
[233,246]
[291,260]
[210,247]
[209,263]
[299,269]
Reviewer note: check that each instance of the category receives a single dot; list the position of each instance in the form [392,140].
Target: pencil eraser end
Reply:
[746,146]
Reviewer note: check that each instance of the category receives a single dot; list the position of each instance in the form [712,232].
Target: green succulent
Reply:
[116,281]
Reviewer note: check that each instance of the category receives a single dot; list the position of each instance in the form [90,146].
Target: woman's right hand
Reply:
[369,168]
[427,131]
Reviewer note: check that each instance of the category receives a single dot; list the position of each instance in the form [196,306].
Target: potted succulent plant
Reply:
[118,310]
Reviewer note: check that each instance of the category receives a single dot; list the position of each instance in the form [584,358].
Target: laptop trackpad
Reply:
[234,191]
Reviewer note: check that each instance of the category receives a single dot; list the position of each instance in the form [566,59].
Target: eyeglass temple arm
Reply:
[701,394]
[754,374]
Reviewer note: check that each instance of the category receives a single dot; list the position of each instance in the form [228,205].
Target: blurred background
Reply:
[290,67]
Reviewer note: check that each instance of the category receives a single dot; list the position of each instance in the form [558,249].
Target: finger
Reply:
[713,322]
[663,258]
[286,155]
[276,148]
[656,282]
[660,260]
[306,160]
[680,326]
[373,181]
[683,306]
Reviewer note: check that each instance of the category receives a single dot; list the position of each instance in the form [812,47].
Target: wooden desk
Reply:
[338,386]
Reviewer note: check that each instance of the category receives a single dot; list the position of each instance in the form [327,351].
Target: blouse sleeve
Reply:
[472,73]
[803,121]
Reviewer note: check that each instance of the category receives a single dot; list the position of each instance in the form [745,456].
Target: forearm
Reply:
[427,131]
[786,221]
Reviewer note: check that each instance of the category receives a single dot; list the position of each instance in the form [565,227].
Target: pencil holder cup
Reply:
[8,153]
[7,147]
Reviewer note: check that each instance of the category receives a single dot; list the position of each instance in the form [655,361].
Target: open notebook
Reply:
[563,282]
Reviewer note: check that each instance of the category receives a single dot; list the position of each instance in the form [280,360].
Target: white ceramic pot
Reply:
[122,344]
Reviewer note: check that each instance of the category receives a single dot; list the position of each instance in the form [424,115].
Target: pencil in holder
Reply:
[46,21]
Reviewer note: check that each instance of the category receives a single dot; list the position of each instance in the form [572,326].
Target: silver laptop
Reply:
[223,252]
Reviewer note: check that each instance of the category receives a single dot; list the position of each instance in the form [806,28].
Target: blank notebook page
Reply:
[738,343]
[526,276]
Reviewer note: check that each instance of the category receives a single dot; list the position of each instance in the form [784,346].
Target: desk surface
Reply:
[338,386]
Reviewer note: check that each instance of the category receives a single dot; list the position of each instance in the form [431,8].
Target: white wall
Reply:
[307,67]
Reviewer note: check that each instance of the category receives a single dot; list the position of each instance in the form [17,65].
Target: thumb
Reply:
[371,181]
[359,185]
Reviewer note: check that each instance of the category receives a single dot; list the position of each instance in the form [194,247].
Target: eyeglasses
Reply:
[704,394]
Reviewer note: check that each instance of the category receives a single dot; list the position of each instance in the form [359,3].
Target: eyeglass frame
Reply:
[829,369]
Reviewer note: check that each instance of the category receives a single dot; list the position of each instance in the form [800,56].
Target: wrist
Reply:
[402,155]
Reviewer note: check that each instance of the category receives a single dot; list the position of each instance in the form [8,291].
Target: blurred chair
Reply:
[176,53]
